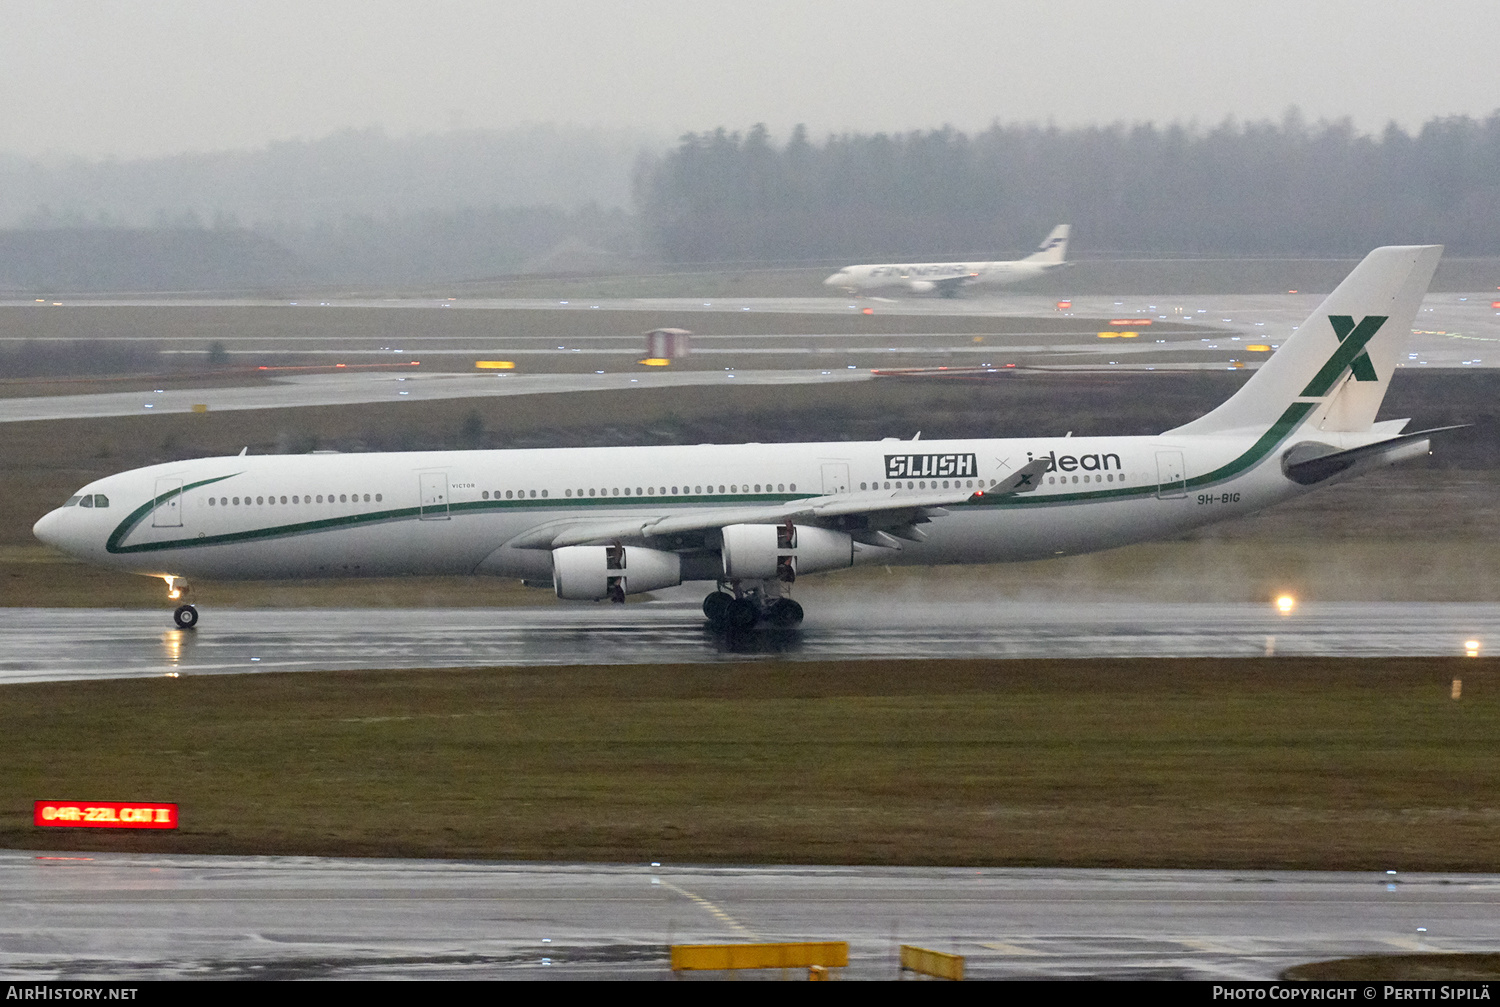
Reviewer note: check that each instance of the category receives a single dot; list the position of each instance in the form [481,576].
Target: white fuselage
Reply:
[462,512]
[925,277]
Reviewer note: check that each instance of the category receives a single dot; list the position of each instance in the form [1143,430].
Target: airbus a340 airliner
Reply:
[948,278]
[601,523]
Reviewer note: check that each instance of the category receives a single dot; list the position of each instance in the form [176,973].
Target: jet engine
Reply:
[780,552]
[596,572]
[922,286]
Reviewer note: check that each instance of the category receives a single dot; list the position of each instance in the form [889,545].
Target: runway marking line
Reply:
[1016,950]
[720,914]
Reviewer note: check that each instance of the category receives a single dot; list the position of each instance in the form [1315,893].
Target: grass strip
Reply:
[1233,763]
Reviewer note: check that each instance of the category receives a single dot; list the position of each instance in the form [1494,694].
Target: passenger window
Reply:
[378,498]
[544,494]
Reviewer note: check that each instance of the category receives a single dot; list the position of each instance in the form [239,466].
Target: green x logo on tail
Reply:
[1350,355]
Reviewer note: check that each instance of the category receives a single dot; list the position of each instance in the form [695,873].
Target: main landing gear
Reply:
[186,615]
[744,608]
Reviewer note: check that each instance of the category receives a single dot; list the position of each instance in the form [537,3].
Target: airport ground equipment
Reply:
[937,964]
[726,957]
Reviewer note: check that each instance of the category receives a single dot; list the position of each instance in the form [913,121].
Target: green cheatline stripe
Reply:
[135,517]
[1268,441]
[1279,431]
[389,515]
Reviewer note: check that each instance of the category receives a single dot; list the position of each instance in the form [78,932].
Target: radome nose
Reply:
[833,280]
[46,530]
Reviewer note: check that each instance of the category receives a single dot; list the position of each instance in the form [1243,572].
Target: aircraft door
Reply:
[168,510]
[434,495]
[835,477]
[1171,475]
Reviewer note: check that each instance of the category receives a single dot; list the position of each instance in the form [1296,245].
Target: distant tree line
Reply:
[1263,188]
[362,208]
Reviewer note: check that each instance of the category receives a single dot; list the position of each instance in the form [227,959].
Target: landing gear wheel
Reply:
[715,607]
[784,613]
[186,617]
[741,613]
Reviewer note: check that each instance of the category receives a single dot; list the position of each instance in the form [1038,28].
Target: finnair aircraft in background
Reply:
[948,278]
[602,523]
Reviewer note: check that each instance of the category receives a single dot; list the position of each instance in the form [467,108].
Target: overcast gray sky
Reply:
[140,78]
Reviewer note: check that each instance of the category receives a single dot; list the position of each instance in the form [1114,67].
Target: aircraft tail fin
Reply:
[1054,247]
[1334,369]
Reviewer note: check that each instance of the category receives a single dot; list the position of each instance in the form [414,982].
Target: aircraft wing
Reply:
[885,514]
[951,284]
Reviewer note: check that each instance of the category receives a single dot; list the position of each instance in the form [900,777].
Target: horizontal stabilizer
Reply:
[1310,463]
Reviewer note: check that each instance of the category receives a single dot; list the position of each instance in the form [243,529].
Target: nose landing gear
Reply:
[186,615]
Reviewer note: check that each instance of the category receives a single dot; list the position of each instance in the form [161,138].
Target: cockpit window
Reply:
[86,500]
[100,500]
[72,501]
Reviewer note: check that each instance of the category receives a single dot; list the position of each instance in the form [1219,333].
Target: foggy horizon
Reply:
[117,81]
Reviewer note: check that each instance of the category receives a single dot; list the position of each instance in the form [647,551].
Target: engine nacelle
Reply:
[781,551]
[596,572]
[922,286]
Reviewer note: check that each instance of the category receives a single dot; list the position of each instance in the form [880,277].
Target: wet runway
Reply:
[67,644]
[125,917]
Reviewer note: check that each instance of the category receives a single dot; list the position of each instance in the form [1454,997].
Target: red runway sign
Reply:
[105,815]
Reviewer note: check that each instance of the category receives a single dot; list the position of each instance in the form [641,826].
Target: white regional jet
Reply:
[947,278]
[601,523]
